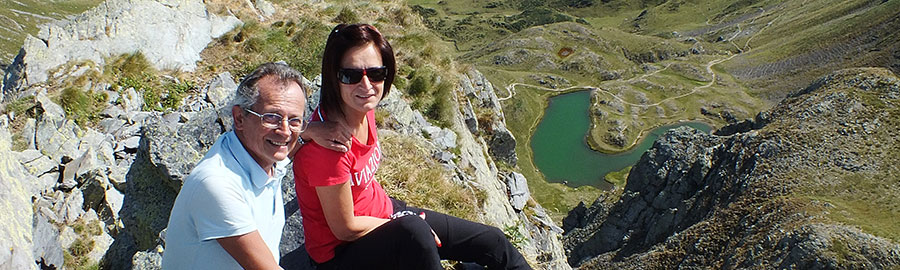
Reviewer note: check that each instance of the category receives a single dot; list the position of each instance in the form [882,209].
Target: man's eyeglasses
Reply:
[354,75]
[274,120]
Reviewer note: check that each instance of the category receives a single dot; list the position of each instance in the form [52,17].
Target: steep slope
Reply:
[811,183]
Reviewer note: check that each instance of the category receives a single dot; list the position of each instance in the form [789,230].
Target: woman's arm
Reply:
[337,205]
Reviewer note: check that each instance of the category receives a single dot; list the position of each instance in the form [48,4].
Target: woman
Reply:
[348,219]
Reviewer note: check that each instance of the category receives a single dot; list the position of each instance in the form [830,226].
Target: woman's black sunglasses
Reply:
[354,75]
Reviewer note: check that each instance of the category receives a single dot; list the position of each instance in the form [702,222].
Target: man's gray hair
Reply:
[248,91]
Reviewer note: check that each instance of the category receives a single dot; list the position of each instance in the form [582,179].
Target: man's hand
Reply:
[330,134]
[249,251]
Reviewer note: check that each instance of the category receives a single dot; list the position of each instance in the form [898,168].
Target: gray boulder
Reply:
[219,93]
[518,190]
[56,136]
[48,251]
[16,232]
[147,260]
[176,148]
[503,146]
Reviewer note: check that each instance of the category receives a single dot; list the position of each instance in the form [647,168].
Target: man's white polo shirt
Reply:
[226,194]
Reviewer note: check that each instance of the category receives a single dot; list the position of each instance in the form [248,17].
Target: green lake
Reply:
[562,154]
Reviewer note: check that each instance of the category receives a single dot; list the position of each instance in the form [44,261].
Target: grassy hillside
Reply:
[22,17]
[654,63]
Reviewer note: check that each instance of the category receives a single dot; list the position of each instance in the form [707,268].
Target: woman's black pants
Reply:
[407,243]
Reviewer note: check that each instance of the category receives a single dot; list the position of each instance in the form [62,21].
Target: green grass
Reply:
[618,178]
[410,174]
[868,201]
[75,256]
[22,108]
[160,93]
[82,106]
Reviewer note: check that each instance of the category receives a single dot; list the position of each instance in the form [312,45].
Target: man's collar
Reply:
[258,176]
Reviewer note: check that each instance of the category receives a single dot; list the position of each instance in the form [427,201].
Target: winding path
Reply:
[510,89]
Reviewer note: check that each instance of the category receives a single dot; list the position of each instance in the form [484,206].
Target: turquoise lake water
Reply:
[562,154]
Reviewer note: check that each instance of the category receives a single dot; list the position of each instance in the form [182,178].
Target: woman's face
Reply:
[363,96]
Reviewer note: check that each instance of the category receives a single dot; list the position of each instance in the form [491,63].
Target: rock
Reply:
[265,8]
[28,132]
[16,238]
[51,112]
[503,146]
[220,92]
[444,157]
[170,151]
[575,217]
[442,137]
[114,201]
[56,136]
[403,119]
[169,34]
[111,111]
[12,78]
[86,167]
[37,164]
[69,209]
[292,249]
[112,125]
[469,117]
[66,237]
[131,143]
[518,190]
[147,260]
[48,247]
[132,101]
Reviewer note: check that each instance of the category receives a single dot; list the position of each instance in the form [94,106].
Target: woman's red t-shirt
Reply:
[316,166]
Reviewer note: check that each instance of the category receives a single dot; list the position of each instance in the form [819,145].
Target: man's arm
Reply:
[331,135]
[249,251]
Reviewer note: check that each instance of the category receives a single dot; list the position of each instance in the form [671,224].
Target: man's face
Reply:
[267,145]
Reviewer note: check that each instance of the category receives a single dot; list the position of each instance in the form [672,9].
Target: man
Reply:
[229,213]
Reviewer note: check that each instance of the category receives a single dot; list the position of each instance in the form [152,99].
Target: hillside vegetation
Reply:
[653,63]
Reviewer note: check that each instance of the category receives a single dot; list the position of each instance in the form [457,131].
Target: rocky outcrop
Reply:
[744,200]
[16,237]
[479,93]
[169,33]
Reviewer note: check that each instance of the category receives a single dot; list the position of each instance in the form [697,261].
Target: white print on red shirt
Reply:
[364,177]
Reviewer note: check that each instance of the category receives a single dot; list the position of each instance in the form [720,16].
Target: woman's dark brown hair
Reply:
[342,38]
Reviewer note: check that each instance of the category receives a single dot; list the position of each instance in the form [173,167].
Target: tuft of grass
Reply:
[300,43]
[82,106]
[75,256]
[160,92]
[409,173]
